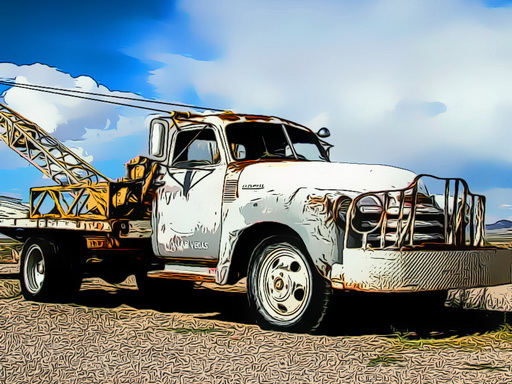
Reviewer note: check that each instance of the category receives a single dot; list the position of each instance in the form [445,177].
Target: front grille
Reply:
[413,217]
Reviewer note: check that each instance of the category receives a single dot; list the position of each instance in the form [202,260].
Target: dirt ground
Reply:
[111,334]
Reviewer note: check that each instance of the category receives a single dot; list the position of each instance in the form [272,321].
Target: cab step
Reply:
[185,272]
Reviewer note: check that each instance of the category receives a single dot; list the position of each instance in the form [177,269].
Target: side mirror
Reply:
[157,139]
[323,132]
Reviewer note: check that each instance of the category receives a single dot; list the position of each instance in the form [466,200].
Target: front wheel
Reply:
[285,291]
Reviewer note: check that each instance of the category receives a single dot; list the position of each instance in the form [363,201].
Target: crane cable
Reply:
[77,94]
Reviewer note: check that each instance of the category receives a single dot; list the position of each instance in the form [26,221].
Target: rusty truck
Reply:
[225,196]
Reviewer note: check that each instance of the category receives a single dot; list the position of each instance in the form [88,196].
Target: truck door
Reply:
[187,215]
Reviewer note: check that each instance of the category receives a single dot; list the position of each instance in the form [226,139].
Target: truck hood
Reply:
[357,178]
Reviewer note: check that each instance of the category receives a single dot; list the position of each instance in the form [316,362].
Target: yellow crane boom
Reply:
[43,151]
[83,192]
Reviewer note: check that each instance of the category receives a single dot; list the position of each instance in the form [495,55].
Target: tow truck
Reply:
[225,196]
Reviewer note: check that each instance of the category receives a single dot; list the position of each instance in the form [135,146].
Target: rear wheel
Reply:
[47,271]
[285,291]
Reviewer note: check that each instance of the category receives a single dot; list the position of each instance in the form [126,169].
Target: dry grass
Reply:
[385,360]
[500,339]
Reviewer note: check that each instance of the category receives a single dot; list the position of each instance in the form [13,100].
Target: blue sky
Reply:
[420,84]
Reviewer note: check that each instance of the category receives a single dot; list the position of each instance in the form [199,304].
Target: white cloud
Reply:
[82,153]
[52,111]
[128,139]
[395,81]
[88,128]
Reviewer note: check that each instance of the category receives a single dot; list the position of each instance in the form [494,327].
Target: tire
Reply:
[48,273]
[285,291]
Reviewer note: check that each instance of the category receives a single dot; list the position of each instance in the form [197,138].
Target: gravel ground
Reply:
[110,334]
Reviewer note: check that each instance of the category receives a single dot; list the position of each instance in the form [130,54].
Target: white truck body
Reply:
[226,196]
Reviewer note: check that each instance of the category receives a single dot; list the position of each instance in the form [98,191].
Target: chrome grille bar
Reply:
[413,217]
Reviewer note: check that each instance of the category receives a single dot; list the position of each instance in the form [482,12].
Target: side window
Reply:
[196,147]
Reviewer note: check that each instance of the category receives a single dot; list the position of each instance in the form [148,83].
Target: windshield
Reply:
[255,141]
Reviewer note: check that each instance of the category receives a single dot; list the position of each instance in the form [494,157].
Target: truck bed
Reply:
[130,229]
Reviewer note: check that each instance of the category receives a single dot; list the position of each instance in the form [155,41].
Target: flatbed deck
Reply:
[130,228]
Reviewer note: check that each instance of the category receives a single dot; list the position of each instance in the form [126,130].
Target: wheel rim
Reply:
[34,270]
[284,284]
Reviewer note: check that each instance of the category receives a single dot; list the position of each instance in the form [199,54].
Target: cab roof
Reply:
[229,117]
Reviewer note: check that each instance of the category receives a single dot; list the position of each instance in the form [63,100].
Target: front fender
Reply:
[307,212]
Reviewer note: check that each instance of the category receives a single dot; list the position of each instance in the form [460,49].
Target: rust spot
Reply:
[102,242]
[233,117]
[335,209]
[339,282]
[241,165]
[327,206]
[354,287]
[229,117]
[255,117]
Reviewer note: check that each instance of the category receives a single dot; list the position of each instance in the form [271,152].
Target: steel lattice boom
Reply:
[43,151]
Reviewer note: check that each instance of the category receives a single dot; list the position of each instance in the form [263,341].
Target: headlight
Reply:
[370,204]
[368,215]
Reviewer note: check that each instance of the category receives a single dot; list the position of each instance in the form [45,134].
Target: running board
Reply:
[185,272]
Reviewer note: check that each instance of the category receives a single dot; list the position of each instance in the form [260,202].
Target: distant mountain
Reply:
[501,224]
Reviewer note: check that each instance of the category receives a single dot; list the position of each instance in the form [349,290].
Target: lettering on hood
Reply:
[253,186]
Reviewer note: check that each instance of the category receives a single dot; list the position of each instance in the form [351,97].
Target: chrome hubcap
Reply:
[284,284]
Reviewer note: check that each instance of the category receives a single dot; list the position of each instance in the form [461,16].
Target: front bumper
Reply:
[421,270]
